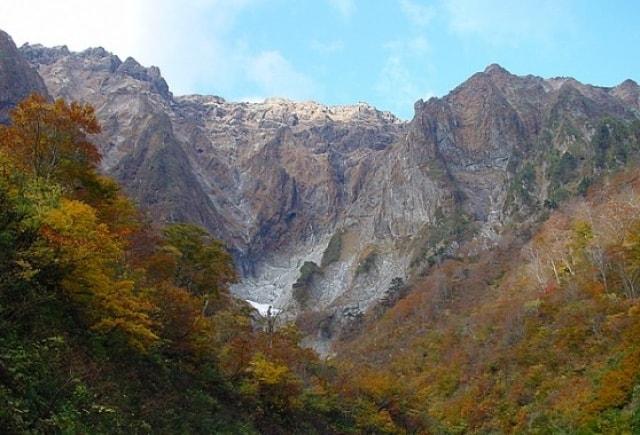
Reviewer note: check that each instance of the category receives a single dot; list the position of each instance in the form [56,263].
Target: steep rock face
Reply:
[629,92]
[138,144]
[491,126]
[17,77]
[324,207]
[276,180]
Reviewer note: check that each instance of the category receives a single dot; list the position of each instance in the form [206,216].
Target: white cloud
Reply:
[403,77]
[346,8]
[193,44]
[509,23]
[397,84]
[278,78]
[75,23]
[417,13]
[188,43]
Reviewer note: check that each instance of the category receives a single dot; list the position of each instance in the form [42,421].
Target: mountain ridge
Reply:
[17,78]
[285,184]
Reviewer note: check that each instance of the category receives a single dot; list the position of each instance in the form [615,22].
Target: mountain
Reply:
[331,210]
[17,78]
[473,270]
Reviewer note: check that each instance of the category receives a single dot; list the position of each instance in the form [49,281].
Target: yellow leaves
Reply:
[384,422]
[74,228]
[532,306]
[27,272]
[583,232]
[268,372]
[370,419]
[51,138]
[73,217]
[125,312]
[377,385]
[634,311]
[273,382]
[95,258]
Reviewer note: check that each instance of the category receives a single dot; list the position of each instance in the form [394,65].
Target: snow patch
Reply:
[263,309]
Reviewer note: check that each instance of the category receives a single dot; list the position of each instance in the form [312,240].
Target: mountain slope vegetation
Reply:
[110,324]
[540,335]
[476,270]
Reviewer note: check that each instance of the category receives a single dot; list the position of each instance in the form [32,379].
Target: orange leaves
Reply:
[183,327]
[378,385]
[50,139]
[616,385]
[94,258]
[550,345]
[83,115]
[80,251]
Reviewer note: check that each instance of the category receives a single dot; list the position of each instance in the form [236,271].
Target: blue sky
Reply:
[386,52]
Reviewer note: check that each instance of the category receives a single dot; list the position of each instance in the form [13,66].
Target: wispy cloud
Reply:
[345,8]
[417,45]
[402,78]
[509,23]
[418,14]
[195,46]
[277,77]
[397,84]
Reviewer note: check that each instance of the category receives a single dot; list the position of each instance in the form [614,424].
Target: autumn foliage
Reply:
[539,335]
[111,324]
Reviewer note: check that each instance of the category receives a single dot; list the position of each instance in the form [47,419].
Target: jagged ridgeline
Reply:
[278,180]
[114,324]
[442,261]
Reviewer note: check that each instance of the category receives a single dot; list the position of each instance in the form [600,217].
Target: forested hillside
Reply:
[539,336]
[328,210]
[474,270]
[112,325]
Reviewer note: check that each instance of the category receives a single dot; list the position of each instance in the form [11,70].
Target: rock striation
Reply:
[329,209]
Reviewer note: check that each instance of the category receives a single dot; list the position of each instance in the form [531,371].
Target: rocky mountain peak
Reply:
[495,69]
[39,54]
[17,78]
[98,52]
[355,194]
[152,75]
[67,69]
[493,80]
[629,92]
[628,83]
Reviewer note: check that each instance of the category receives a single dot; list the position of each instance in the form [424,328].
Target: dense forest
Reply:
[113,324]
[110,324]
[539,335]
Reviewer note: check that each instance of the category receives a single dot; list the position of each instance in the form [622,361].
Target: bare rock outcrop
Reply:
[17,77]
[328,207]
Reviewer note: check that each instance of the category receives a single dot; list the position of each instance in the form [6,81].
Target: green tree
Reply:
[202,265]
